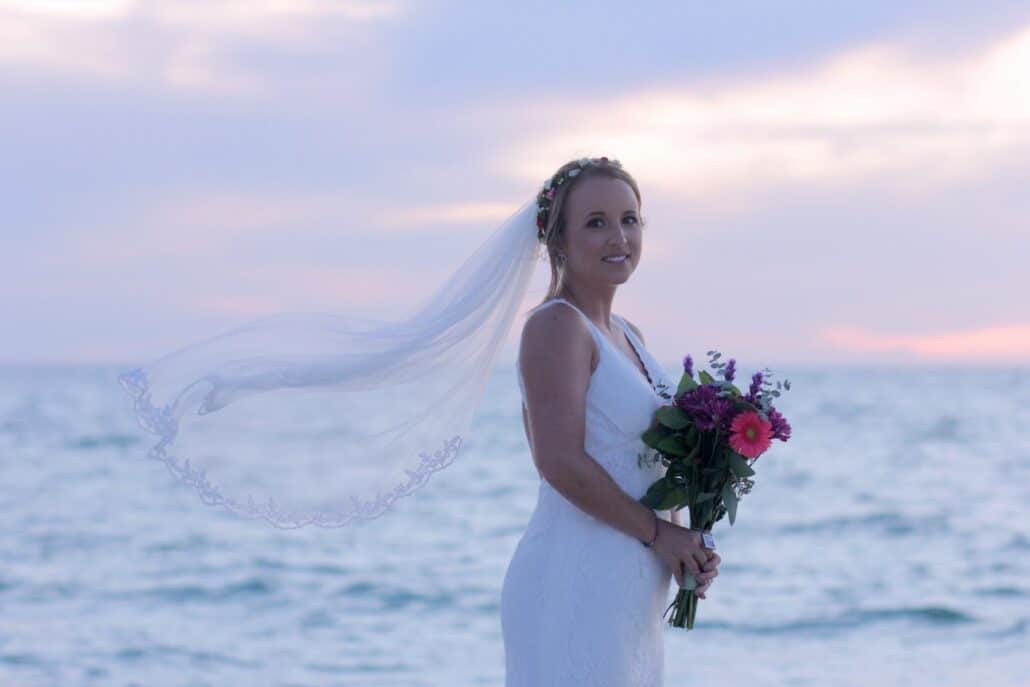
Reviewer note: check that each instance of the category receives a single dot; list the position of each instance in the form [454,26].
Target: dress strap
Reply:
[638,347]
[629,330]
[592,326]
[594,331]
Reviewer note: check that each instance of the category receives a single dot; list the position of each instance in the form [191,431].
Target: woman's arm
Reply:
[555,357]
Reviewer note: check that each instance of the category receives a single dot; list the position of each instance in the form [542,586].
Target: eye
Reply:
[632,218]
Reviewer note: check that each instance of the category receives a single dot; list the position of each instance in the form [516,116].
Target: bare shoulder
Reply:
[635,329]
[555,337]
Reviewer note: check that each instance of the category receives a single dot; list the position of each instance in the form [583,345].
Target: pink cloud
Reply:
[1007,341]
[881,110]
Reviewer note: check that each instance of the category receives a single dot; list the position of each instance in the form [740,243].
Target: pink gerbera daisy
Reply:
[750,435]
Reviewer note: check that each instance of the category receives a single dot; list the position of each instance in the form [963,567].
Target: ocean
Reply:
[887,543]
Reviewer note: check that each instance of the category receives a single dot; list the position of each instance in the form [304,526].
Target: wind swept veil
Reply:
[328,418]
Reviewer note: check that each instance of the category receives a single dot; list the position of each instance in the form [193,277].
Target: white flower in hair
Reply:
[573,172]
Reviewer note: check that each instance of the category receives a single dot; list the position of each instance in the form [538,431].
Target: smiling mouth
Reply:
[615,259]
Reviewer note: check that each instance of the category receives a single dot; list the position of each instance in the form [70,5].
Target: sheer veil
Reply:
[327,418]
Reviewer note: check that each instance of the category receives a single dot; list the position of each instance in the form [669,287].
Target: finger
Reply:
[700,557]
[691,566]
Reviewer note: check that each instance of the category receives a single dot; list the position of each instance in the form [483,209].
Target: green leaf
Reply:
[738,464]
[686,384]
[743,405]
[674,498]
[656,493]
[653,435]
[729,499]
[705,377]
[694,450]
[672,445]
[672,417]
[704,496]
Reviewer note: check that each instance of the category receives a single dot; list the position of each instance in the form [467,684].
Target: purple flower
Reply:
[723,411]
[756,385]
[696,400]
[780,426]
[688,366]
[730,370]
[709,410]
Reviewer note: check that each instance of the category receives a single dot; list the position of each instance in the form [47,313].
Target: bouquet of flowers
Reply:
[709,437]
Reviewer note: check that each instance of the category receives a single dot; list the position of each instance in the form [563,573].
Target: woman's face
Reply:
[602,218]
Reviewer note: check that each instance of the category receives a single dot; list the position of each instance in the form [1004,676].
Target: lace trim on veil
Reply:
[162,422]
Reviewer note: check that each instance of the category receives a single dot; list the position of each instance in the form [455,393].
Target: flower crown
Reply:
[546,194]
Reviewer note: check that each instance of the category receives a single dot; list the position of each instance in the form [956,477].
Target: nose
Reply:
[621,236]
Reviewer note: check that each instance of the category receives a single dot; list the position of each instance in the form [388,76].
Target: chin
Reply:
[621,280]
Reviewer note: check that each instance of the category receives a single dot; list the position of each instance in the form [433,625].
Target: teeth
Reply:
[620,258]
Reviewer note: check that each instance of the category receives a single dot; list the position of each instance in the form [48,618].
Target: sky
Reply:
[824,183]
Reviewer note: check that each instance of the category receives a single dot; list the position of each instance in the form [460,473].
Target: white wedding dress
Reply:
[582,602]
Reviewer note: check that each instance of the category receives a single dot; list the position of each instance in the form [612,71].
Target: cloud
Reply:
[446,214]
[879,110]
[75,9]
[972,345]
[265,19]
[186,46]
[215,224]
[256,292]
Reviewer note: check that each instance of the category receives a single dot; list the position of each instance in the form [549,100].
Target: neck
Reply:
[595,304]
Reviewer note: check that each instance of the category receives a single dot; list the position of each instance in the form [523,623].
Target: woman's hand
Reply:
[677,545]
[709,571]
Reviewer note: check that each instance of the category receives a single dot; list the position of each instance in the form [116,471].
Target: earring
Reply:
[561,258]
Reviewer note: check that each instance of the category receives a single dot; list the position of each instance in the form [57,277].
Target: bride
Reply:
[582,601]
[583,596]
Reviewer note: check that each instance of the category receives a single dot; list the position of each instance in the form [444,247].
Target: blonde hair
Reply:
[554,229]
